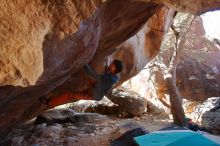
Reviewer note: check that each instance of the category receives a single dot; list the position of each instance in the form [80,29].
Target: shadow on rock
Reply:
[211,121]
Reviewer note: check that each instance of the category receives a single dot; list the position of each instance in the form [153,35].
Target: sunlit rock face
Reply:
[46,43]
[197,74]
[23,28]
[31,45]
[22,60]
[137,51]
[197,78]
[197,82]
[65,35]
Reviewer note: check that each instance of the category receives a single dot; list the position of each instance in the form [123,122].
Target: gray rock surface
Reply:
[211,121]
[131,104]
[90,129]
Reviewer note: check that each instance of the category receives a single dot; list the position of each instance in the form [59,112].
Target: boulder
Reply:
[130,103]
[104,107]
[211,121]
[107,107]
[197,81]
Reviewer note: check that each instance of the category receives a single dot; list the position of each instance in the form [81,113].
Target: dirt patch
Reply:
[83,133]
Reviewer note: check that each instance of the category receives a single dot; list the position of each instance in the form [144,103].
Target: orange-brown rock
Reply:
[64,49]
[135,53]
[23,28]
[49,41]
[21,53]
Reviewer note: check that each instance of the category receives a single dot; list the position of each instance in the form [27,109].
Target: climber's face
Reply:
[112,68]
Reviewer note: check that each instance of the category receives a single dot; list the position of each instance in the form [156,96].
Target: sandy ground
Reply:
[111,130]
[100,132]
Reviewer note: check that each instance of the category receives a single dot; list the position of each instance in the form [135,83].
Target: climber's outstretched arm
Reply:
[91,72]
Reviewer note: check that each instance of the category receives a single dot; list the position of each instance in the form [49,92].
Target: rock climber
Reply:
[103,83]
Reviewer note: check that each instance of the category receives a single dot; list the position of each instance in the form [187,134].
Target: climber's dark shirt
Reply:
[104,82]
[102,86]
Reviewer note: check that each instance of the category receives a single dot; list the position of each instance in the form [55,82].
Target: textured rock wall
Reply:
[197,80]
[64,54]
[21,56]
[112,36]
[23,27]
[44,41]
[197,75]
[138,50]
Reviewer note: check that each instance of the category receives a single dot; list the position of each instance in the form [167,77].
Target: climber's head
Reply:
[115,67]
